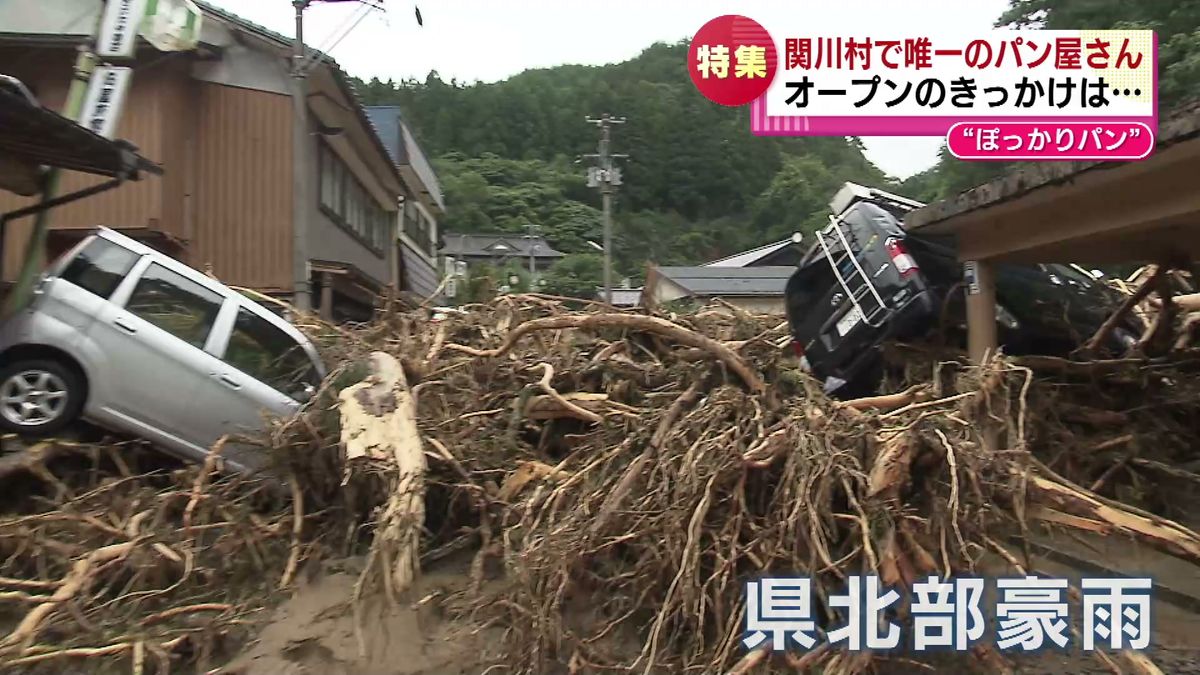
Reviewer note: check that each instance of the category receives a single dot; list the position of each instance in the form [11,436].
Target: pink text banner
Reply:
[922,85]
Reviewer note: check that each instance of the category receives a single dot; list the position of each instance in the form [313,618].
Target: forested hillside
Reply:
[697,184]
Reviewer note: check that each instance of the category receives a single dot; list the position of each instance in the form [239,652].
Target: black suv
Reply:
[866,280]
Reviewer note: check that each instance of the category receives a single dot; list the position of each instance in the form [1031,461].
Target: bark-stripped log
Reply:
[1162,534]
[379,430]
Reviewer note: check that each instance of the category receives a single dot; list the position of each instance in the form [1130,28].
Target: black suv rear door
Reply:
[832,331]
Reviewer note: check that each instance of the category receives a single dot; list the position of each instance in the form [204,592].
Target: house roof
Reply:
[748,257]
[402,145]
[499,245]
[729,281]
[386,120]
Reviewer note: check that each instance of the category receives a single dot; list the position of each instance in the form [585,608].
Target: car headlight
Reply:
[1006,318]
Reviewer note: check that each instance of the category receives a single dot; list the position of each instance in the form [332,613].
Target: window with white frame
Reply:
[348,203]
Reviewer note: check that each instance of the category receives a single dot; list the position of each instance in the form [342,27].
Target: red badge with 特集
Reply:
[732,60]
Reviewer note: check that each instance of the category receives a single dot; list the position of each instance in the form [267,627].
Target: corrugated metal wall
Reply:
[419,276]
[178,110]
[243,190]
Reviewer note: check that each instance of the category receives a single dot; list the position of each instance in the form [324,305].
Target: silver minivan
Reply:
[137,342]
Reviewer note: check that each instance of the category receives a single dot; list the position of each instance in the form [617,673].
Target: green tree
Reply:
[481,284]
[797,198]
[577,275]
[694,184]
[1176,21]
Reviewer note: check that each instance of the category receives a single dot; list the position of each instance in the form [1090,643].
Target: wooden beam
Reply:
[1045,185]
[1118,211]
[980,287]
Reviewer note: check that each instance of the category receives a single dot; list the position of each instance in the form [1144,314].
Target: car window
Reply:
[175,304]
[100,266]
[263,351]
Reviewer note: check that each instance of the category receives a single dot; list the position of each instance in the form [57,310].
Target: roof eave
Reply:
[1180,125]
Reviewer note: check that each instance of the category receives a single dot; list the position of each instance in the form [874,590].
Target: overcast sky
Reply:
[490,40]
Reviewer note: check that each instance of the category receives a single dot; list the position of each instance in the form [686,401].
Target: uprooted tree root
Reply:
[118,557]
[619,477]
[146,568]
[628,548]
[656,541]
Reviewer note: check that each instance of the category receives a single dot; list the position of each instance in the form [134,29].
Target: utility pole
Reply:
[301,291]
[532,229]
[606,177]
[301,196]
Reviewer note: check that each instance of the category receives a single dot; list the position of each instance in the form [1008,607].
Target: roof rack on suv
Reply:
[853,279]
[865,299]
[852,193]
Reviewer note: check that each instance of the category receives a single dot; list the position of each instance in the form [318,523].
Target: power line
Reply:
[606,177]
[360,12]
[348,24]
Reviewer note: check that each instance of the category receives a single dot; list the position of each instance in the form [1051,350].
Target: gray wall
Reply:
[328,241]
[240,66]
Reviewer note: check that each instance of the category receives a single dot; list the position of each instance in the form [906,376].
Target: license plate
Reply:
[849,321]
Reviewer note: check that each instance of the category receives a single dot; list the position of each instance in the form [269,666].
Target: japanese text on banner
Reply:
[1029,613]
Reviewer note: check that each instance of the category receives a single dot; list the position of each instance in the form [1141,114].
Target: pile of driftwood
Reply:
[1163,299]
[617,477]
[110,554]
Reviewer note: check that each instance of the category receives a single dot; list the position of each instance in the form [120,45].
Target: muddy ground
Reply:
[312,633]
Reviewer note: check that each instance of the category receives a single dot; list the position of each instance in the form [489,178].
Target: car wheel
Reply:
[39,396]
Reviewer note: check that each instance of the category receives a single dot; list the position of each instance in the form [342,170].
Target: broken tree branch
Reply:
[544,384]
[1159,533]
[1101,335]
[650,324]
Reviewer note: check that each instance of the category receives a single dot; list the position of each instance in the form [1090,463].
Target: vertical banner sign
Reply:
[119,28]
[104,99]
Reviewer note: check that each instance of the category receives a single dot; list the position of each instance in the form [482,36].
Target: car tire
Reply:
[39,397]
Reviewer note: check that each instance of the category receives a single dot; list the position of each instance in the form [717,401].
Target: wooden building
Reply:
[219,119]
[754,289]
